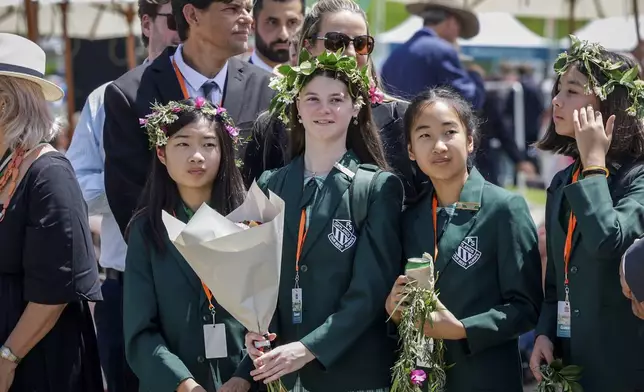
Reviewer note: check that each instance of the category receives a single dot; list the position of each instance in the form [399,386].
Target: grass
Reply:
[533,196]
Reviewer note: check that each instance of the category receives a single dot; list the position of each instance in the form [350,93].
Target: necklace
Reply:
[10,177]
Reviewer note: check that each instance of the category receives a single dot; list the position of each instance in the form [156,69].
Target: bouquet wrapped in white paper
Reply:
[417,350]
[238,256]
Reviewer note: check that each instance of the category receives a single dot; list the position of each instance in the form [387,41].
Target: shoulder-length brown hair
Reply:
[362,138]
[628,132]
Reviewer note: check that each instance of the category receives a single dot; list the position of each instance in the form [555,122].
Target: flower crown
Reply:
[291,79]
[156,123]
[590,53]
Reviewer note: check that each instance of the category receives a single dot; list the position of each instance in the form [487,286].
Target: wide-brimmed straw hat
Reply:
[24,59]
[469,22]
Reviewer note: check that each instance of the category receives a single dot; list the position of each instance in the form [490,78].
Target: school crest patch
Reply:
[467,253]
[342,234]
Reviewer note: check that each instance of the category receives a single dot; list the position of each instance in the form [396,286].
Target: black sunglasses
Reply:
[169,19]
[363,44]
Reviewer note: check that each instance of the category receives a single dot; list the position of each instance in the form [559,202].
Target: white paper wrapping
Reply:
[241,267]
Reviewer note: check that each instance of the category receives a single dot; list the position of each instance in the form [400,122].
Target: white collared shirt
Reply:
[195,80]
[256,60]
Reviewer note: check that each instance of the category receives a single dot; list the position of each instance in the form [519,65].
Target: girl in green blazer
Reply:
[341,238]
[165,305]
[594,212]
[487,264]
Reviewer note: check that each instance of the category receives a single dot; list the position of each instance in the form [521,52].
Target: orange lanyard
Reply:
[572,223]
[435,220]
[301,236]
[206,290]
[182,83]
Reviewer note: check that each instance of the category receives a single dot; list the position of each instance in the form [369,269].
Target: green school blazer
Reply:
[488,275]
[345,279]
[164,311]
[607,340]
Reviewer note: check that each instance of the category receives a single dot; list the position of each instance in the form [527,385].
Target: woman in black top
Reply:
[332,25]
[48,271]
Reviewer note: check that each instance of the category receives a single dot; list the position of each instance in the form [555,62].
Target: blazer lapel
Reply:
[334,187]
[234,90]
[291,193]
[559,233]
[188,272]
[164,77]
[461,223]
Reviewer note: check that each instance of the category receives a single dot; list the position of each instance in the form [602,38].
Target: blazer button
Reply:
[305,268]
[573,269]
[200,359]
[207,317]
[576,312]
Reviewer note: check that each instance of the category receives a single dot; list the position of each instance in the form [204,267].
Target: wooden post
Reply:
[131,40]
[31,14]
[571,17]
[69,70]
[636,13]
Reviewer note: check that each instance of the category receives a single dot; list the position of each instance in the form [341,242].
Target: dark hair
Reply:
[313,20]
[628,132]
[363,138]
[161,193]
[432,16]
[461,106]
[177,9]
[259,5]
[151,9]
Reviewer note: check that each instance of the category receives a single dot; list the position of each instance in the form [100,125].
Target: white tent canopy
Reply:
[615,33]
[88,19]
[498,29]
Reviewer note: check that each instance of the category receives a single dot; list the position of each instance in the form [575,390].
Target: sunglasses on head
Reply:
[363,44]
[169,19]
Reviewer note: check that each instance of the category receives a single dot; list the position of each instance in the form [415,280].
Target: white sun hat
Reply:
[24,59]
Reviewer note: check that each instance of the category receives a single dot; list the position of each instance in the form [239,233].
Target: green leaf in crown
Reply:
[590,54]
[291,79]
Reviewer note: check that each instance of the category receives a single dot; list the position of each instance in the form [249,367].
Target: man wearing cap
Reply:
[430,58]
[631,274]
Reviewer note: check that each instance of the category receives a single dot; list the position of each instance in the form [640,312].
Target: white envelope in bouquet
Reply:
[241,266]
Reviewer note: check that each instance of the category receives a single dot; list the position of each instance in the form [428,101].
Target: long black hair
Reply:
[628,132]
[161,192]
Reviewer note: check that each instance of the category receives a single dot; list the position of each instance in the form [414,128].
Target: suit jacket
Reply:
[164,311]
[343,288]
[607,340]
[427,61]
[268,146]
[127,152]
[488,275]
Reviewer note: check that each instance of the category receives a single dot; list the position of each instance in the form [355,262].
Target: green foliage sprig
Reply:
[590,54]
[291,79]
[559,378]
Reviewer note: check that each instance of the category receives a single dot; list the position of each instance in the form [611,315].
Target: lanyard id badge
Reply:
[214,335]
[563,319]
[296,292]
[563,307]
[296,302]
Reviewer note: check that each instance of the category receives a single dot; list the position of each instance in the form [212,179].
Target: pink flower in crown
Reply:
[176,109]
[417,377]
[200,102]
[375,95]
[232,131]
[220,110]
[142,121]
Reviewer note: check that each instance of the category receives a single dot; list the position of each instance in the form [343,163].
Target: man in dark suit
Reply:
[212,32]
[430,59]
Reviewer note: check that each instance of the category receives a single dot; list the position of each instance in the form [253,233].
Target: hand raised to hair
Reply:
[593,139]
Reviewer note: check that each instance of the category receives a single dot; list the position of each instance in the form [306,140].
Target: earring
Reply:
[299,119]
[355,121]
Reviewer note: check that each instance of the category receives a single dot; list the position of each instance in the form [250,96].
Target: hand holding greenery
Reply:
[418,350]
[559,378]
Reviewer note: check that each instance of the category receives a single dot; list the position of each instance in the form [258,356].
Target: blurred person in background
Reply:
[430,57]
[631,273]
[87,156]
[48,271]
[274,23]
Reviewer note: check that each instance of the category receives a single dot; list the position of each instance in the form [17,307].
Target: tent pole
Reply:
[31,14]
[69,71]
